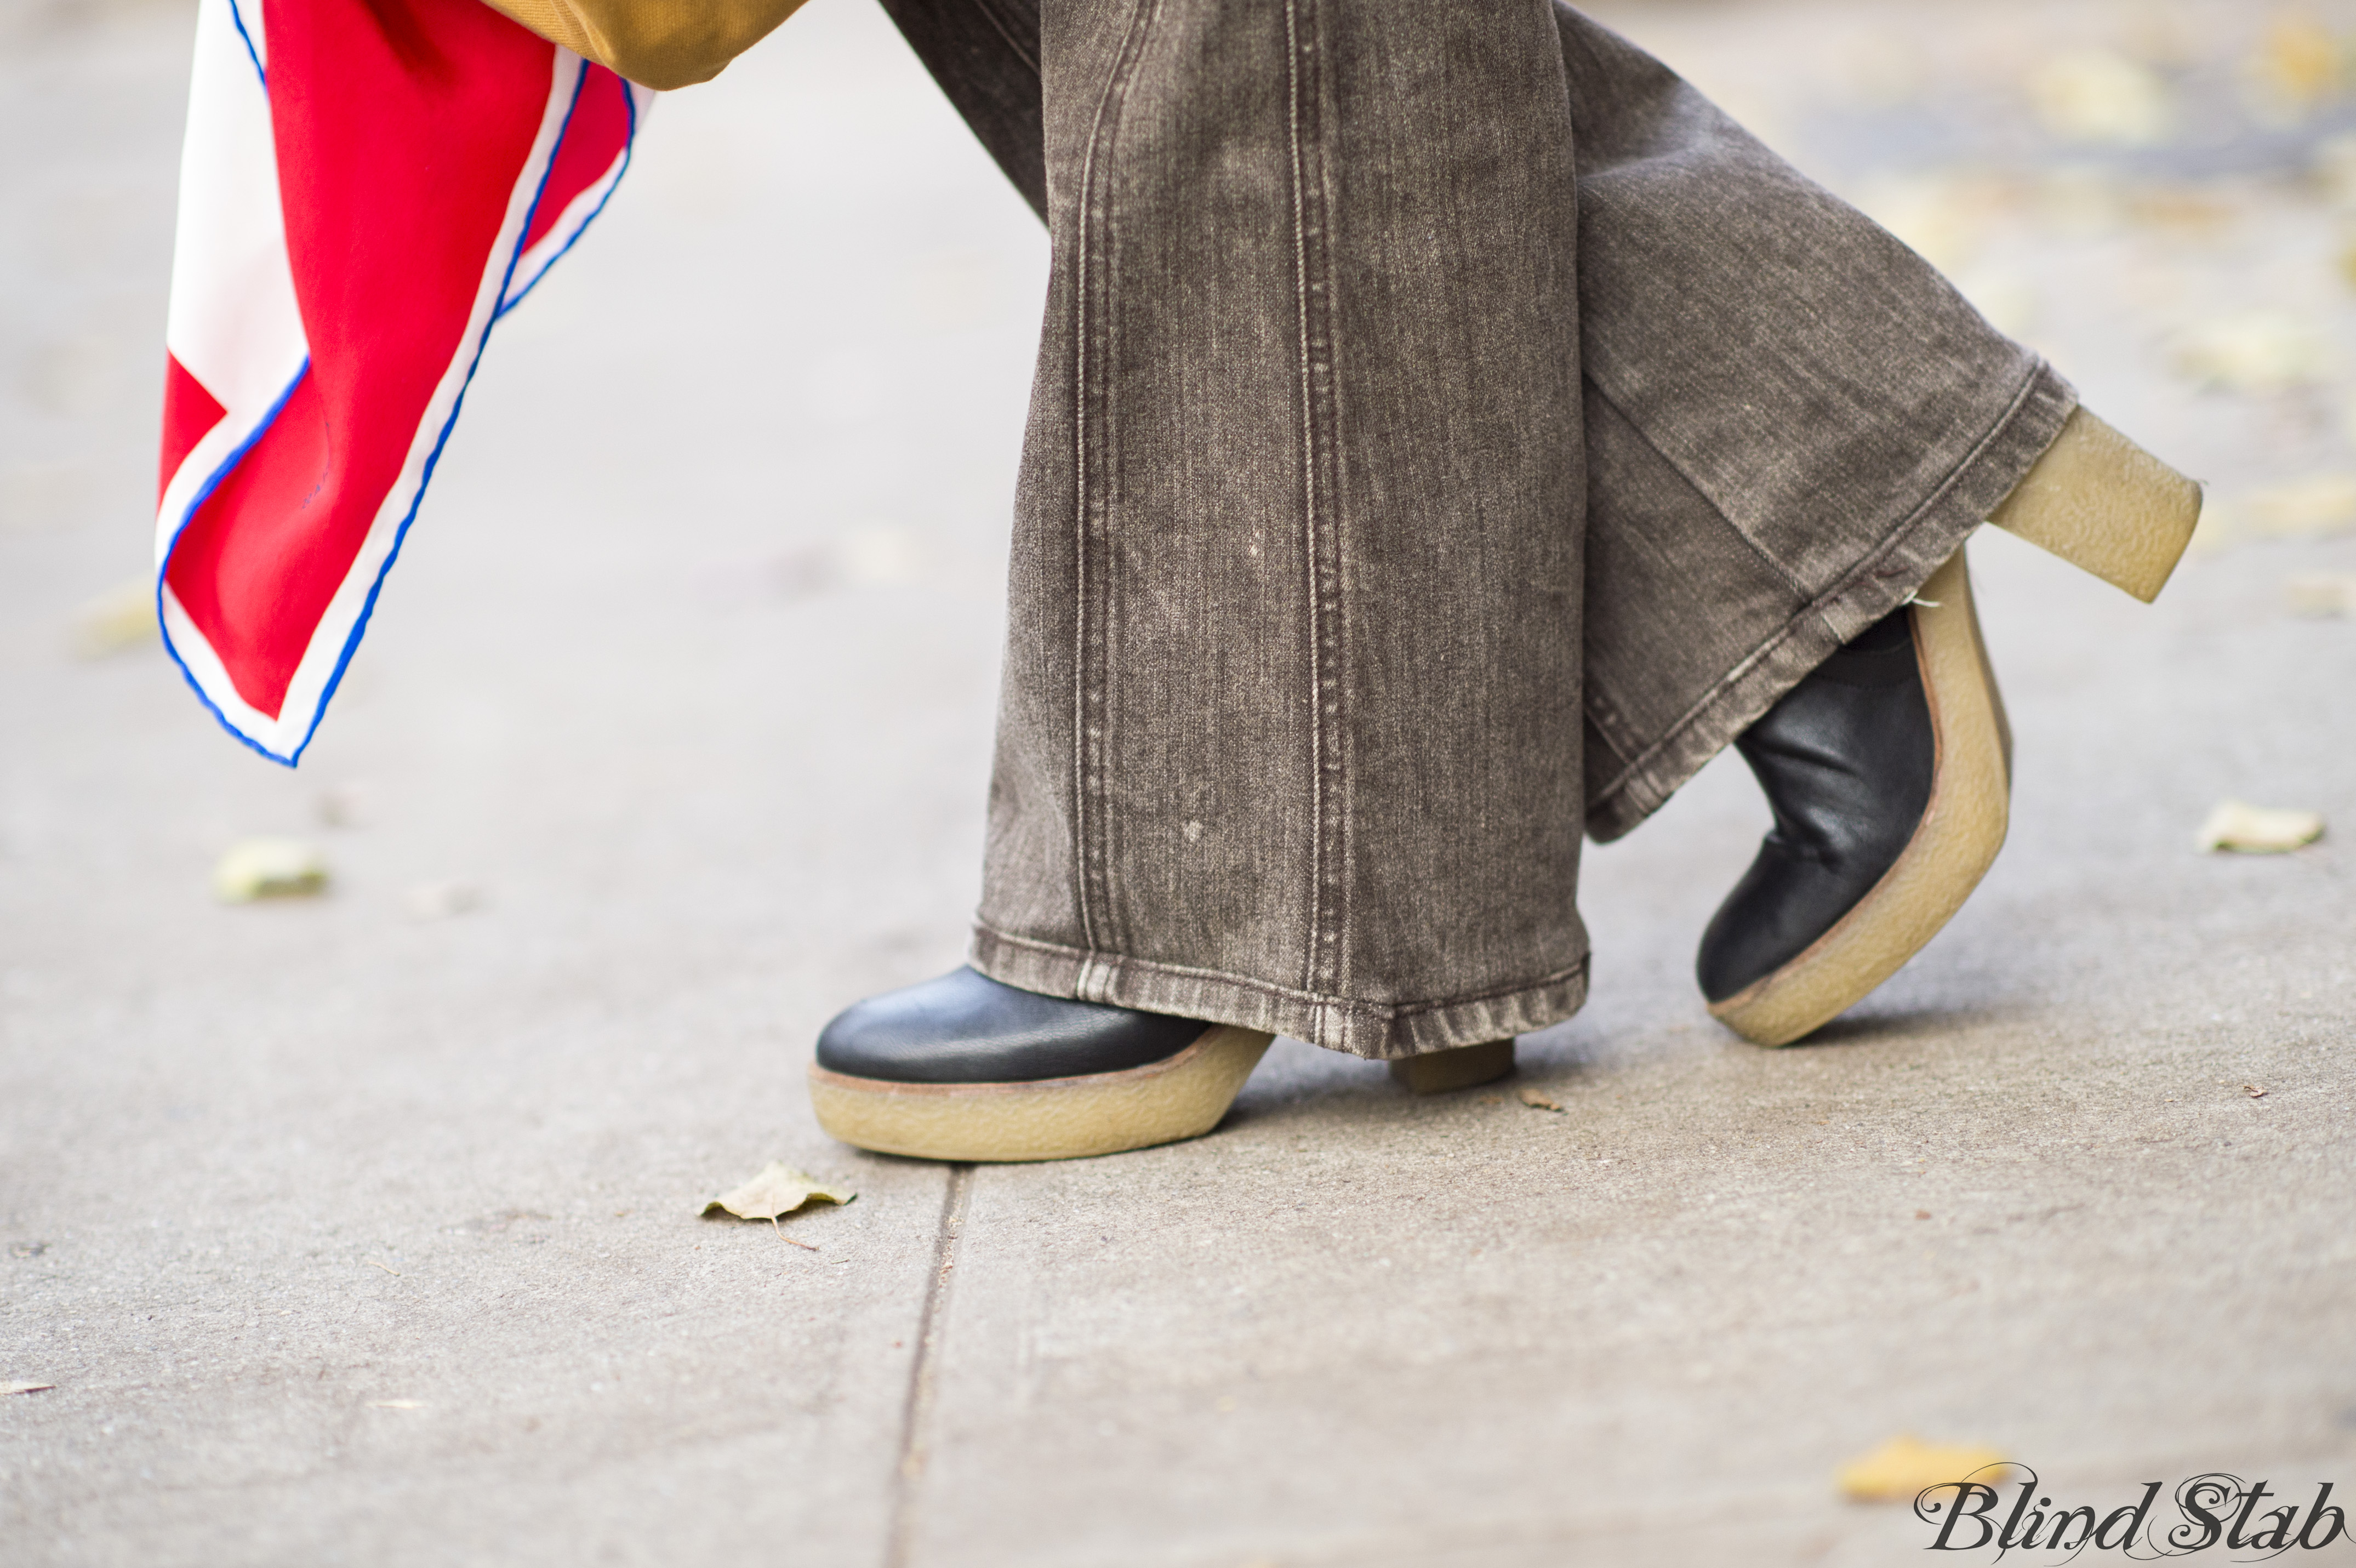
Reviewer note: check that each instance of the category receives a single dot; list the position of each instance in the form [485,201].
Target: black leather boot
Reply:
[1888,769]
[1846,759]
[964,1068]
[1867,860]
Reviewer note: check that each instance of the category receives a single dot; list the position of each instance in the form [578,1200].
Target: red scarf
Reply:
[368,186]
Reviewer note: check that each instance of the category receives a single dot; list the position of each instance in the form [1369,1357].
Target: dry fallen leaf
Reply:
[779,1189]
[25,1388]
[1901,1467]
[2254,1092]
[269,868]
[121,618]
[2258,829]
[1536,1102]
[2320,593]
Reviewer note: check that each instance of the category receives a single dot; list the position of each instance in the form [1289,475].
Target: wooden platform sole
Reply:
[1182,1096]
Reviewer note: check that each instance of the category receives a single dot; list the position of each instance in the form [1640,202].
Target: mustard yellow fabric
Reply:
[656,43]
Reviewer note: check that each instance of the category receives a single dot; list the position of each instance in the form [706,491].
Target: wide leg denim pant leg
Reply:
[1450,431]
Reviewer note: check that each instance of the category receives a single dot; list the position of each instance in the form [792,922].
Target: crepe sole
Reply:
[1961,830]
[1182,1096]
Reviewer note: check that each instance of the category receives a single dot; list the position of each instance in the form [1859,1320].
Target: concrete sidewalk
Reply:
[351,1234]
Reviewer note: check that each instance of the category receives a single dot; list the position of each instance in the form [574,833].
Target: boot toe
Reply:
[965,1028]
[1779,909]
[963,1068]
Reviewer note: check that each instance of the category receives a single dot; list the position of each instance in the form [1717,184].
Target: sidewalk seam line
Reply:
[917,1412]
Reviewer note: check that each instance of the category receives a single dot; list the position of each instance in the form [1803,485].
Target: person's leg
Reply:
[1823,424]
[1792,422]
[1791,419]
[1290,706]
[1290,730]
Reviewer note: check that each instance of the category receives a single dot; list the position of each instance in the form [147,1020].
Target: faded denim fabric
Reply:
[1450,431]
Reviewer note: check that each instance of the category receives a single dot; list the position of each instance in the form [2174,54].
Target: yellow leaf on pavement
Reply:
[269,868]
[1901,1469]
[2258,829]
[779,1189]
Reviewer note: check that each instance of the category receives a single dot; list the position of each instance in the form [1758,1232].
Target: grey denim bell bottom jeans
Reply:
[1449,430]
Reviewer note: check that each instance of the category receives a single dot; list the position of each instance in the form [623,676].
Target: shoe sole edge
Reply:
[1182,1096]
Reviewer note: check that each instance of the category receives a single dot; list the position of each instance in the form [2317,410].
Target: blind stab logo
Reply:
[2214,1509]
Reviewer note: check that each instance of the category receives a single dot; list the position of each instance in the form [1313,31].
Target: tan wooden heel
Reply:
[1466,1067]
[2105,505]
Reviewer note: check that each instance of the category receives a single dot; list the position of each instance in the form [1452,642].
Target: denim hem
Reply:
[1381,1031]
[1882,579]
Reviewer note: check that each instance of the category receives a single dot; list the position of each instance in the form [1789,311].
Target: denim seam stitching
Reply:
[1089,960]
[1091,653]
[1313,293]
[2020,400]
